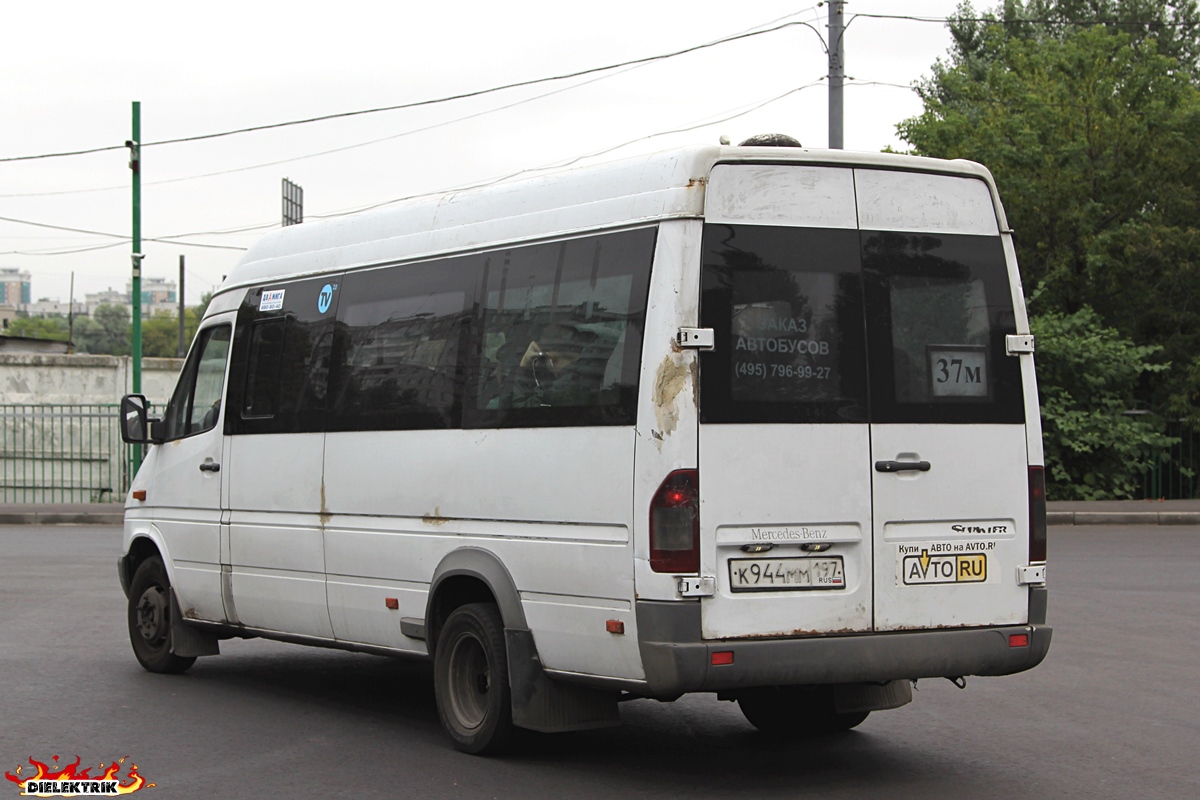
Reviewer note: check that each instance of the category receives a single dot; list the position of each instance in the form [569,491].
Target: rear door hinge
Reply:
[1016,344]
[696,338]
[1032,575]
[702,586]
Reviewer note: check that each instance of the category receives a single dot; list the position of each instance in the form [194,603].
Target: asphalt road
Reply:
[1114,711]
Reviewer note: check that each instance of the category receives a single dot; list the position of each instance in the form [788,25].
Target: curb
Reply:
[1123,518]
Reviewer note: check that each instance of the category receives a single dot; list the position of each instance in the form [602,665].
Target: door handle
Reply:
[902,466]
[210,466]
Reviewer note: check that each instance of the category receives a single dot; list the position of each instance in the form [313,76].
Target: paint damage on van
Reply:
[676,372]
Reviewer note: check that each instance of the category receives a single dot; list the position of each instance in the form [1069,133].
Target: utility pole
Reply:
[135,164]
[71,316]
[837,71]
[182,311]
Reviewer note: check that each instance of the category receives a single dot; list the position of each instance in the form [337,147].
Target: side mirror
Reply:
[135,420]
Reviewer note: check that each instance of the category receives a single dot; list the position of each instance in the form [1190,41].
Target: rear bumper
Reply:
[677,661]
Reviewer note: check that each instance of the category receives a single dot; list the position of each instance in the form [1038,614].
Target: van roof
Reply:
[663,185]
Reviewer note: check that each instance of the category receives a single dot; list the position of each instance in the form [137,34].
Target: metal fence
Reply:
[1174,474]
[62,454]
[74,454]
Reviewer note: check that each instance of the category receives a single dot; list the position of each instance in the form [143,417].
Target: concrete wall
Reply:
[51,454]
[27,378]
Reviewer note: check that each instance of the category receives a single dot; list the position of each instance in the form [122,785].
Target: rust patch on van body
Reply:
[324,513]
[434,518]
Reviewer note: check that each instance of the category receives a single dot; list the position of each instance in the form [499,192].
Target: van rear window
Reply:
[817,325]
[786,308]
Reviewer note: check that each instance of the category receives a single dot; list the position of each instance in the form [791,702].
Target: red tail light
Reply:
[675,523]
[1037,515]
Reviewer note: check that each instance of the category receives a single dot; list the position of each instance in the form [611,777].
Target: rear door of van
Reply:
[863,459]
[785,442]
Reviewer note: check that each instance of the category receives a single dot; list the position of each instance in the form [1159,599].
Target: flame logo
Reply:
[71,772]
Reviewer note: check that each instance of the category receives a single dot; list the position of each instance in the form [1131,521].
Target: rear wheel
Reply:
[470,672]
[796,711]
[150,619]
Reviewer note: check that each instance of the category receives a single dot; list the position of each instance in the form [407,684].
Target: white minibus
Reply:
[756,421]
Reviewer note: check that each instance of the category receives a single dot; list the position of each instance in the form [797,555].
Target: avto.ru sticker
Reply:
[918,570]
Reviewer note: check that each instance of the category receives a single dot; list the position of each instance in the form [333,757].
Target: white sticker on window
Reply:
[957,371]
[271,301]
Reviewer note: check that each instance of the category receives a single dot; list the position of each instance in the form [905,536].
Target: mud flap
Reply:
[851,698]
[541,704]
[187,641]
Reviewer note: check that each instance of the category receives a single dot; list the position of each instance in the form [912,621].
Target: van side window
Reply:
[266,359]
[560,333]
[283,354]
[196,404]
[400,335]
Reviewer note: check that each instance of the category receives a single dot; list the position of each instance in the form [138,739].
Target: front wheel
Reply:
[796,711]
[150,619]
[470,674]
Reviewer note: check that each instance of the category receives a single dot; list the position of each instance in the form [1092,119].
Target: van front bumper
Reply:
[676,660]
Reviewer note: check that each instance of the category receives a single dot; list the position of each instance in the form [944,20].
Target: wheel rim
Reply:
[151,615]
[470,681]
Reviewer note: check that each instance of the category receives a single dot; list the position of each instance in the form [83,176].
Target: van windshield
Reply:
[823,325]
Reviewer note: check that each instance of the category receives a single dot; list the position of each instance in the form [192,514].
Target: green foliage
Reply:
[160,336]
[54,328]
[1090,130]
[1095,449]
[107,332]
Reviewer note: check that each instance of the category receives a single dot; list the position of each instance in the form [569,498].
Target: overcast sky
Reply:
[71,70]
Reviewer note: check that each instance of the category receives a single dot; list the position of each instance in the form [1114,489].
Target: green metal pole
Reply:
[135,164]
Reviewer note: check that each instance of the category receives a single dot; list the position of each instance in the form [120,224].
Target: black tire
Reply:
[470,680]
[150,619]
[795,711]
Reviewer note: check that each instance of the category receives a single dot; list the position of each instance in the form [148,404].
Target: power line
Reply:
[176,239]
[331,151]
[434,101]
[93,248]
[995,21]
[63,228]
[741,112]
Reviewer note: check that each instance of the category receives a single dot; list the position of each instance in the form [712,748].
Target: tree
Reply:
[110,333]
[1095,449]
[1087,112]
[39,328]
[160,336]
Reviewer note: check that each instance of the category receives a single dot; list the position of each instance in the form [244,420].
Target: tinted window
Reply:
[785,305]
[400,335]
[196,404]
[799,315]
[939,307]
[558,333]
[543,335]
[280,377]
